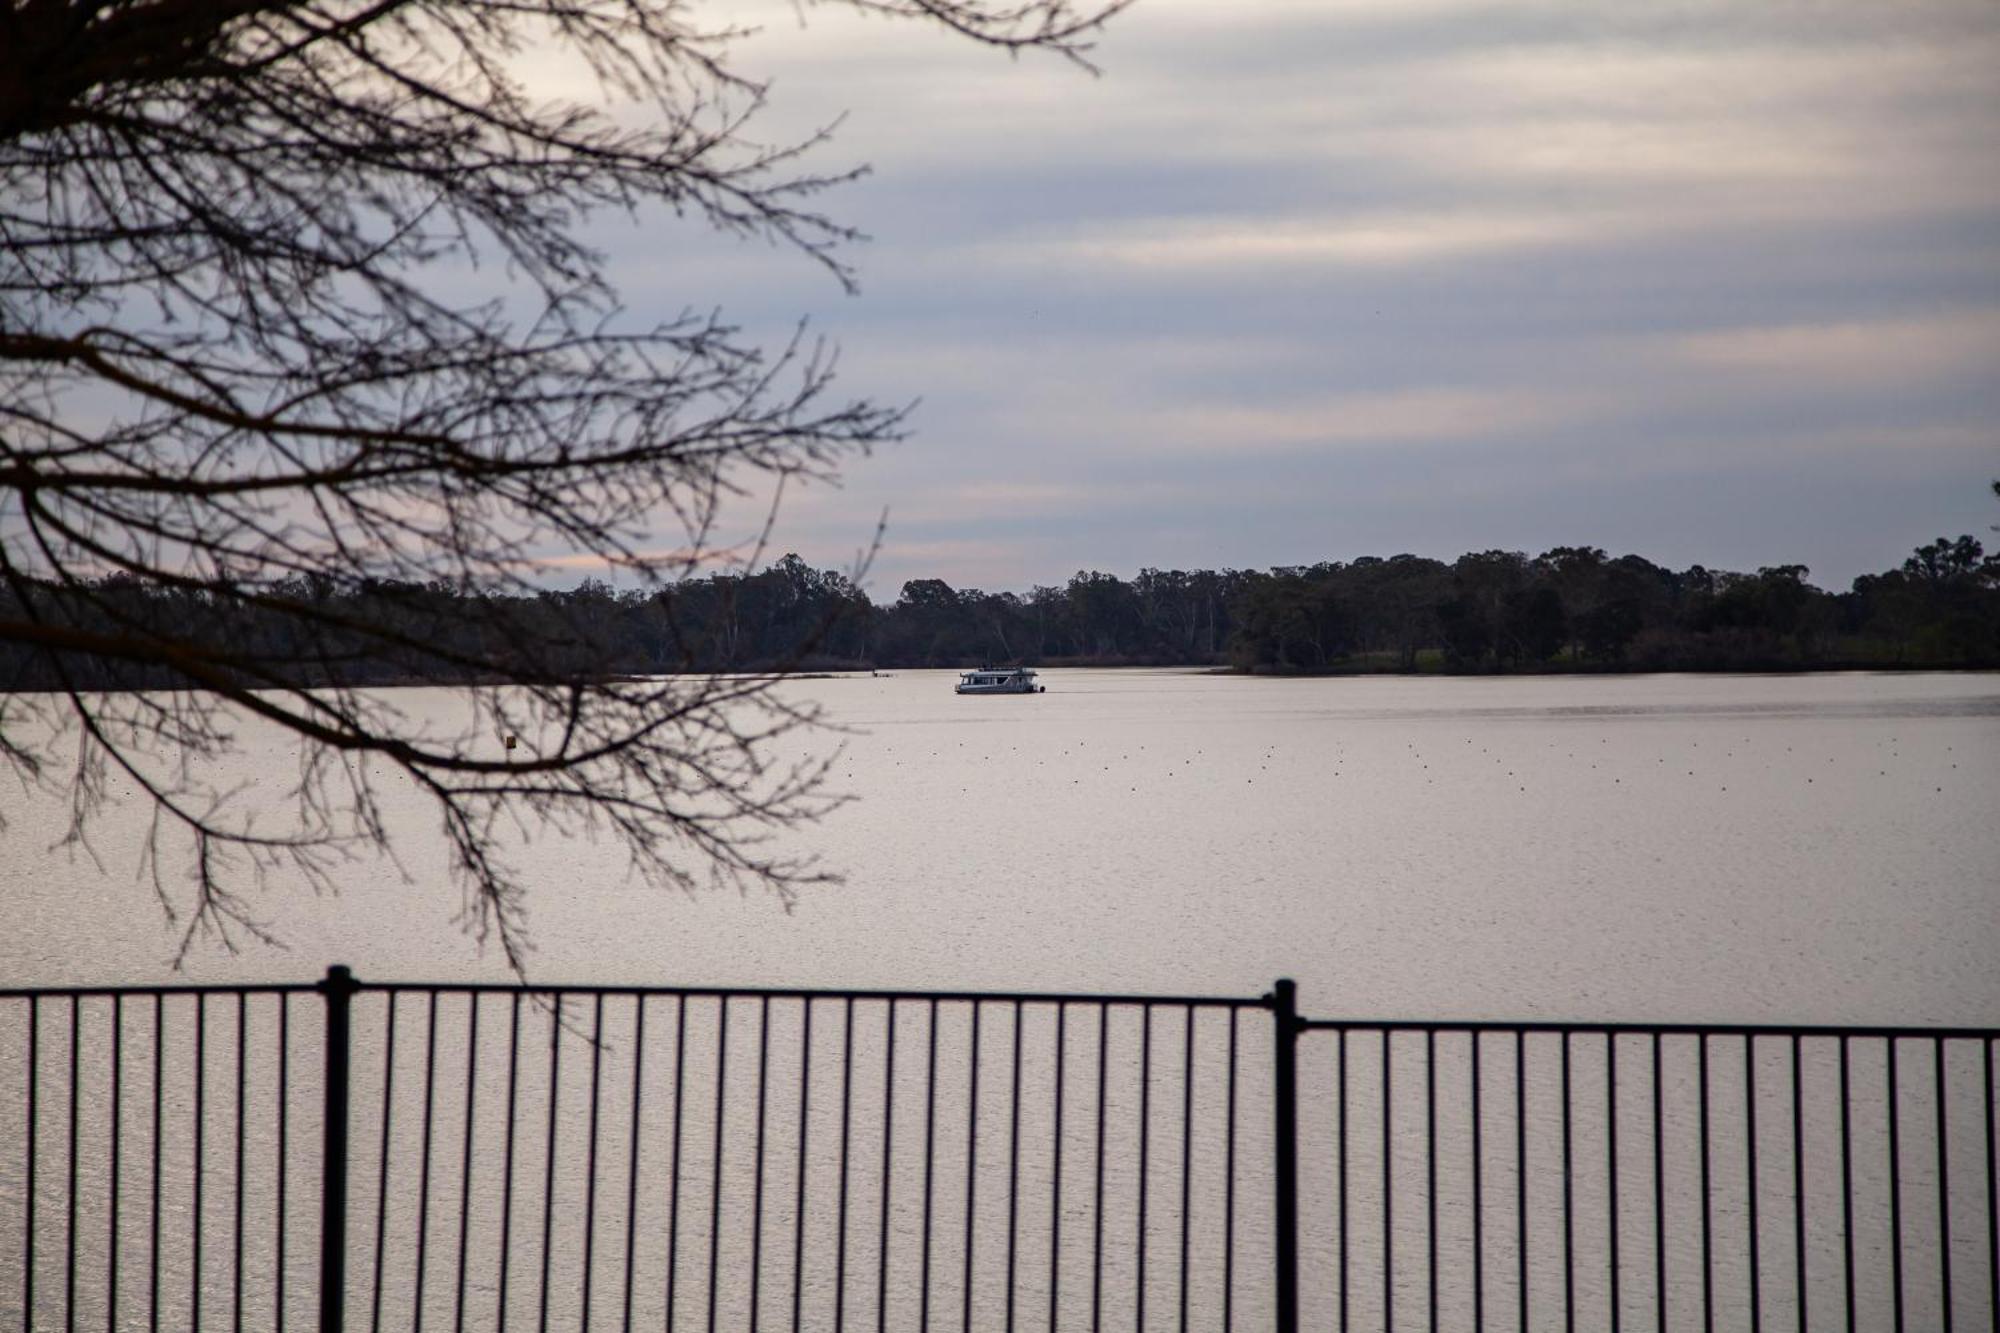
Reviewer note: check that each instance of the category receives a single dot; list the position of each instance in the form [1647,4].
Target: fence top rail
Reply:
[356,985]
[1685,1029]
[341,979]
[821,993]
[114,992]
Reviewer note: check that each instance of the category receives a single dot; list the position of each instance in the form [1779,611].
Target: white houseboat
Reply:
[998,680]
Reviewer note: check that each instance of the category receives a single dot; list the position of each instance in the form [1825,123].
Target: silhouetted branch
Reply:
[255,461]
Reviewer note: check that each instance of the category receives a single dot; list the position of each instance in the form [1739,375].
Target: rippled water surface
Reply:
[1746,848]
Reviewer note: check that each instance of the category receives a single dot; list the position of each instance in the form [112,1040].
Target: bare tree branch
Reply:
[254,463]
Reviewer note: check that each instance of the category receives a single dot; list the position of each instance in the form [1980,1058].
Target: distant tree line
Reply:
[1570,608]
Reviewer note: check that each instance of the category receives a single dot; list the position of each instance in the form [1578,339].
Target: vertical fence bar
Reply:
[1992,1192]
[1431,1168]
[632,1153]
[507,1159]
[382,1180]
[1340,1150]
[930,1127]
[840,1221]
[888,1162]
[549,1161]
[1847,1182]
[1750,1178]
[1013,1163]
[1611,1165]
[117,1117]
[1285,1064]
[715,1211]
[200,1126]
[75,1121]
[1388,1182]
[29,1180]
[1187,1158]
[1478,1198]
[1521,1169]
[1145,1125]
[1707,1206]
[1659,1194]
[465,1162]
[424,1161]
[1097,1210]
[674,1180]
[1799,1179]
[971,1162]
[338,990]
[242,1049]
[590,1157]
[159,1099]
[757,1164]
[805,1125]
[1055,1174]
[283,1098]
[1229,1188]
[1890,1083]
[1569,1209]
[1943,1186]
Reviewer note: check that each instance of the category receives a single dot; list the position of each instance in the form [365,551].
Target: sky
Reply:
[1303,280]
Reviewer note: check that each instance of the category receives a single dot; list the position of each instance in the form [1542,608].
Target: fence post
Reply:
[338,988]
[1285,1015]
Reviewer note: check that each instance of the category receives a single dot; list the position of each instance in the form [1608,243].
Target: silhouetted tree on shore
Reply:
[1493,611]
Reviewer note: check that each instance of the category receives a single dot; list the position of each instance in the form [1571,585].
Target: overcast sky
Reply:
[1298,280]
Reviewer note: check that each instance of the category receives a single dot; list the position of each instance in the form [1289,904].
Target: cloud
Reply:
[992,564]
[1851,353]
[1412,417]
[683,559]
[1233,243]
[988,498]
[1291,278]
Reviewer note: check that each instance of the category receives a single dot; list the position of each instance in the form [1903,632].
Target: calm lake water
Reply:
[1815,849]
[1790,848]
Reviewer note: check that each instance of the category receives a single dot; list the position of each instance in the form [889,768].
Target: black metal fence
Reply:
[892,1162]
[1631,1176]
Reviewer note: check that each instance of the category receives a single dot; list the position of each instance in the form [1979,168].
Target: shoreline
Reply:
[1197,668]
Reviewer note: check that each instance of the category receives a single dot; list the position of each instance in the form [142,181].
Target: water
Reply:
[1785,849]
[1790,848]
